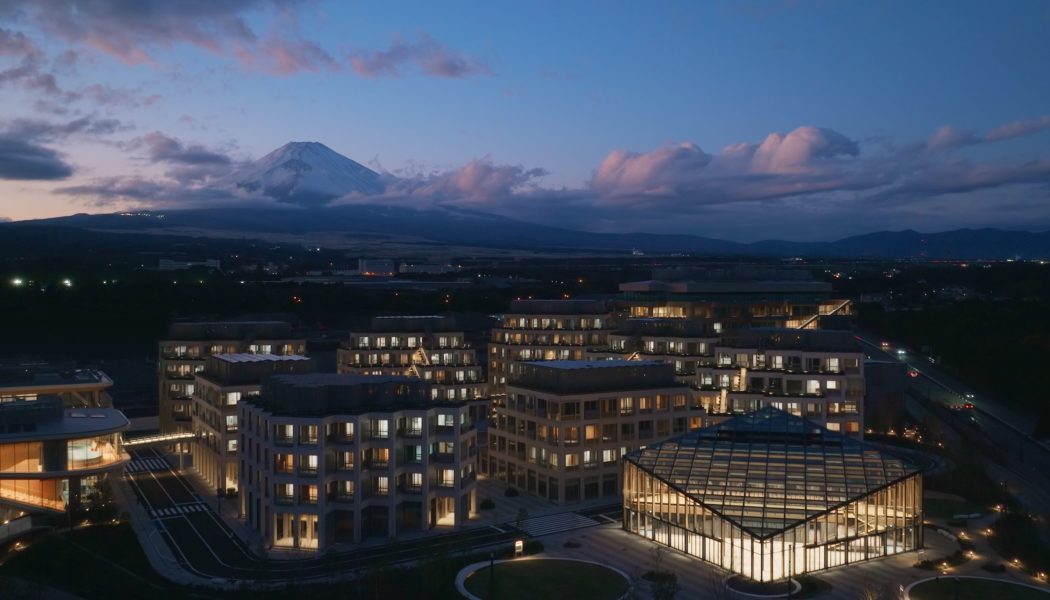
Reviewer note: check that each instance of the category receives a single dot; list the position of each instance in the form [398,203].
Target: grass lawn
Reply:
[102,561]
[974,589]
[548,579]
[939,508]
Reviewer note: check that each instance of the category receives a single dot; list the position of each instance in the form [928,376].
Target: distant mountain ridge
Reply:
[303,177]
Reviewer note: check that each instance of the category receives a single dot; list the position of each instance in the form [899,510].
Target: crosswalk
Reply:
[147,464]
[175,511]
[557,523]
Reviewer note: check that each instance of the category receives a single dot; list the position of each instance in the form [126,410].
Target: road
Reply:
[204,545]
[1015,457]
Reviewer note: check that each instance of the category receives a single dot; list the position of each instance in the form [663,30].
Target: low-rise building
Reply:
[59,439]
[335,458]
[226,379]
[562,427]
[682,343]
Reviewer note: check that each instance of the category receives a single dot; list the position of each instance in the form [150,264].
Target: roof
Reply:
[326,394]
[769,471]
[74,423]
[42,378]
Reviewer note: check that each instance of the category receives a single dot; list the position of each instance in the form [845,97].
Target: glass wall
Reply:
[94,452]
[887,521]
[21,457]
[45,493]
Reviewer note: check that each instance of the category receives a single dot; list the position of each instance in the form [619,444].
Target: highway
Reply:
[1013,456]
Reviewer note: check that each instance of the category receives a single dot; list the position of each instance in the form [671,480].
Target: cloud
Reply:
[424,53]
[1018,129]
[41,130]
[188,163]
[146,192]
[261,35]
[24,160]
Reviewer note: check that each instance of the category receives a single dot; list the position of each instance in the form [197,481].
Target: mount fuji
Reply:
[302,178]
[307,174]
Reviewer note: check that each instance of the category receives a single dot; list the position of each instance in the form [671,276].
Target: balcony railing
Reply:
[284,500]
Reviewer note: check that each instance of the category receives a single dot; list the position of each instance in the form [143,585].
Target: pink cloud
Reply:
[425,53]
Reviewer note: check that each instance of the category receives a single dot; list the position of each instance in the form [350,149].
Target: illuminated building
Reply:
[329,459]
[427,347]
[815,373]
[226,379]
[59,438]
[769,494]
[562,427]
[187,346]
[535,330]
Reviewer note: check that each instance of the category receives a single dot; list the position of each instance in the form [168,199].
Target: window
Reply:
[231,423]
[382,485]
[308,434]
[233,398]
[380,429]
[231,445]
[626,406]
[609,456]
[448,477]
[415,480]
[444,420]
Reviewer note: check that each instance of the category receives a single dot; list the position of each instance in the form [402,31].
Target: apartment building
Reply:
[563,425]
[225,379]
[182,354]
[814,373]
[334,458]
[59,438]
[537,330]
[683,343]
[428,347]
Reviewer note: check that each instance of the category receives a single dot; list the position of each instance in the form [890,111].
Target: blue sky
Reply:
[743,120]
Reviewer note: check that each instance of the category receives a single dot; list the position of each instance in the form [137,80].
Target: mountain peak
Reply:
[305,173]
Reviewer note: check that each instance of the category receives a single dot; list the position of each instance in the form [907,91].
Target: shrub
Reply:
[487,504]
[511,492]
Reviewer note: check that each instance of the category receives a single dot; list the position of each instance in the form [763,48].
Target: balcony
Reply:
[444,458]
[342,497]
[410,432]
[284,500]
[339,438]
[308,471]
[284,440]
[409,489]
[375,463]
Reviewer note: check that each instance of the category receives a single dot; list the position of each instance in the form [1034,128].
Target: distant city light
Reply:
[17,282]
[67,282]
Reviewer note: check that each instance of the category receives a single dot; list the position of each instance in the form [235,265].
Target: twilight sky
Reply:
[802,120]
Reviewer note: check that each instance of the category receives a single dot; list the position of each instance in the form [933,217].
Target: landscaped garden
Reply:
[547,579]
[968,588]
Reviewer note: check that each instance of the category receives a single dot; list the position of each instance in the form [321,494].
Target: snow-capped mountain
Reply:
[304,173]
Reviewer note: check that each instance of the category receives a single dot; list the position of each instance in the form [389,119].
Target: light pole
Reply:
[492,575]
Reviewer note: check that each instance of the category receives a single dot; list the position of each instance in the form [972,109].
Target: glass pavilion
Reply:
[769,494]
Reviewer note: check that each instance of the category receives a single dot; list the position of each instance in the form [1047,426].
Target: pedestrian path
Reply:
[556,523]
[175,511]
[147,464]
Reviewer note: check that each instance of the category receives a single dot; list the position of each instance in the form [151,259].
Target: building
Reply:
[377,267]
[329,459]
[683,343]
[814,373]
[768,495]
[428,347]
[187,346]
[59,438]
[562,427]
[535,330]
[727,299]
[218,388]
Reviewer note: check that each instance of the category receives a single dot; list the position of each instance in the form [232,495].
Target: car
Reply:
[885,345]
[913,373]
[969,396]
[969,406]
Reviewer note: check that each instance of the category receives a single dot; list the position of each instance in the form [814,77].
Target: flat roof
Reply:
[75,423]
[40,377]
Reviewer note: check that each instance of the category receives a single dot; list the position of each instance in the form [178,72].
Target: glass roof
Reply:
[769,470]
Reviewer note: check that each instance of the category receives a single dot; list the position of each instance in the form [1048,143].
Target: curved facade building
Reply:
[51,455]
[769,494]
